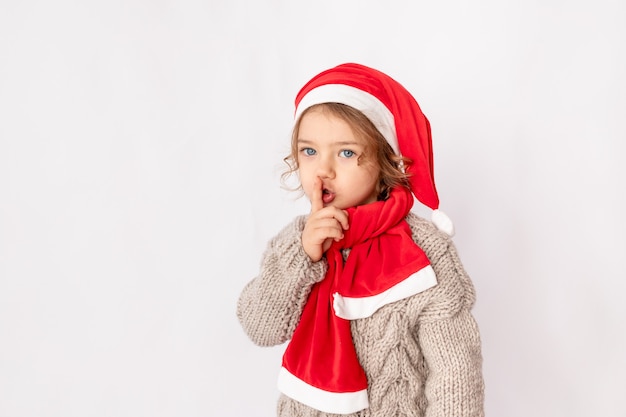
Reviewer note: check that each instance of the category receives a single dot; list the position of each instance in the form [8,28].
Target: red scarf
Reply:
[320,364]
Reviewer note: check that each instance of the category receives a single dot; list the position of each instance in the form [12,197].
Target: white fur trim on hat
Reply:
[373,108]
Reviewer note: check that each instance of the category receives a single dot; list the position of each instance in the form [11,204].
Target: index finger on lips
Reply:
[316,196]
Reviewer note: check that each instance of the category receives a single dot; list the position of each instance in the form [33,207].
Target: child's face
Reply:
[328,149]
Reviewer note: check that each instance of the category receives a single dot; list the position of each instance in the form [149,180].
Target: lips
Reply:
[327,196]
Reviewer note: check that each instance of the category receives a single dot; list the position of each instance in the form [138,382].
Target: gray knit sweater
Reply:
[421,354]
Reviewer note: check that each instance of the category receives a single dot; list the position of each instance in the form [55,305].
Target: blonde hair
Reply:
[377,149]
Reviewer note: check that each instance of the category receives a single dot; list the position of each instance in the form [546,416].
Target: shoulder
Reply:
[289,233]
[432,241]
[295,225]
[454,290]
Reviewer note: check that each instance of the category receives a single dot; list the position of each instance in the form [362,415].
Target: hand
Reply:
[324,225]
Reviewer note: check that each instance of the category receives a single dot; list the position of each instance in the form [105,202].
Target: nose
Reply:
[326,167]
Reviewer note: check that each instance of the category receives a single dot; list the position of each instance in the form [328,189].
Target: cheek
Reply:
[373,172]
[305,181]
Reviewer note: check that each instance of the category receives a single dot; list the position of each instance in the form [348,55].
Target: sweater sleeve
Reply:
[270,305]
[451,348]
[449,335]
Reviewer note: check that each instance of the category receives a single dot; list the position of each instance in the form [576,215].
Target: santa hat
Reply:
[396,115]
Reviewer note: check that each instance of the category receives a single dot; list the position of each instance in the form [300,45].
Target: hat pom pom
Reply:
[443,222]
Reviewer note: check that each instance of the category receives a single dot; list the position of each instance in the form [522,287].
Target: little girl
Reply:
[373,299]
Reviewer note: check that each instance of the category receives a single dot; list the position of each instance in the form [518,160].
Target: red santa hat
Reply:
[396,115]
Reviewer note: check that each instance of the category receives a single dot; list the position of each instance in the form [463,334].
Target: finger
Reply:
[330,232]
[326,223]
[316,196]
[341,216]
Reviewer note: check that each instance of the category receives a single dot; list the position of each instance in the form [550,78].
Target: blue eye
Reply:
[347,153]
[308,151]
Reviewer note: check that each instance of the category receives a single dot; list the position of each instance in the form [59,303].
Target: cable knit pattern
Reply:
[421,354]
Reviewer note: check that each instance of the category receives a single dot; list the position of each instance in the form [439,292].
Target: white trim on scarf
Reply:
[361,100]
[325,401]
[351,308]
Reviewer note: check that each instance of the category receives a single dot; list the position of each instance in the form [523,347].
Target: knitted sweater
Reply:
[421,354]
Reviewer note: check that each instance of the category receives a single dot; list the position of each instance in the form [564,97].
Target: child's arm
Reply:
[448,333]
[270,305]
[451,348]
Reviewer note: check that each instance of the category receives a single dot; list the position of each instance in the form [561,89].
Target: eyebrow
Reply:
[341,143]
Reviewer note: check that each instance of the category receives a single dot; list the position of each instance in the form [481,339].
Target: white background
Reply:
[140,155]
